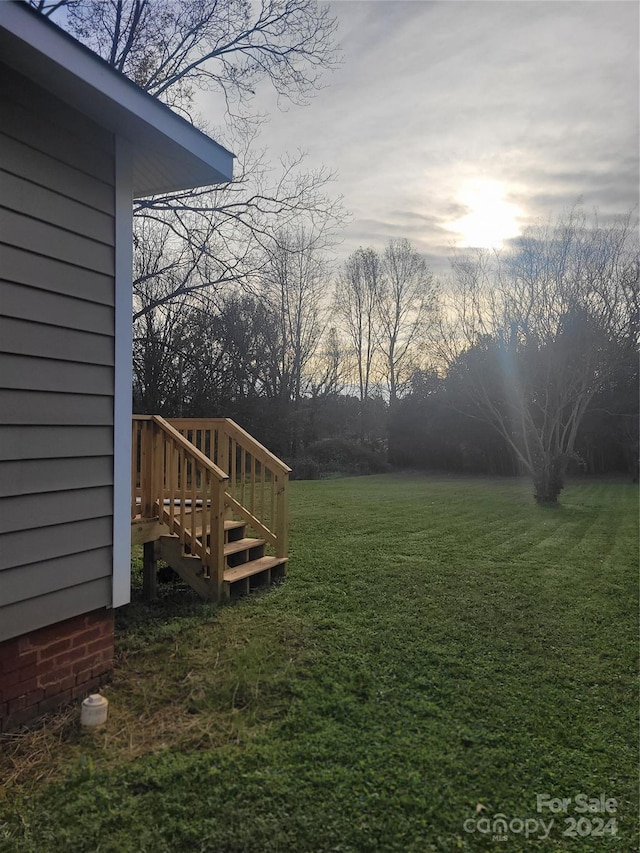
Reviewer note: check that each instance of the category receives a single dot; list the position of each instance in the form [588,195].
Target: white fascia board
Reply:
[122,402]
[39,49]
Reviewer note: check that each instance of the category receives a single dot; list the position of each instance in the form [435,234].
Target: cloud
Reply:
[540,97]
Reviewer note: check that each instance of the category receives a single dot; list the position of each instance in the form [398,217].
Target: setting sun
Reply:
[490,219]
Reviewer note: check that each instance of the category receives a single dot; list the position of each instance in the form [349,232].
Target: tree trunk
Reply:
[548,479]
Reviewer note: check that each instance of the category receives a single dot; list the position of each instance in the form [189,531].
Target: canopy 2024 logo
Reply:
[590,817]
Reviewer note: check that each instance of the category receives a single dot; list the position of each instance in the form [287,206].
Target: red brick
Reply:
[103,659]
[84,690]
[58,630]
[20,689]
[31,697]
[83,675]
[25,643]
[10,664]
[60,686]
[44,637]
[7,682]
[86,636]
[106,643]
[19,703]
[54,676]
[50,651]
[108,628]
[98,667]
[103,668]
[73,655]
[9,650]
[9,679]
[52,703]
[99,617]
[34,696]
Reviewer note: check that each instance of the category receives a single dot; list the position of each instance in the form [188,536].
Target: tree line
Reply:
[523,361]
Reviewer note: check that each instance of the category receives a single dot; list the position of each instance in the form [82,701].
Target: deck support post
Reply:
[149,571]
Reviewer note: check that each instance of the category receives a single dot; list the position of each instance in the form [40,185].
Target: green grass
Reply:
[442,651]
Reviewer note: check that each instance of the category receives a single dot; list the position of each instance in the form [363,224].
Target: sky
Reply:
[458,123]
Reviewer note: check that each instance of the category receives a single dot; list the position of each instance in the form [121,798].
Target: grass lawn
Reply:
[442,652]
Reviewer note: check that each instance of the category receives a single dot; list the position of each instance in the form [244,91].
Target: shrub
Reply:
[346,457]
[304,468]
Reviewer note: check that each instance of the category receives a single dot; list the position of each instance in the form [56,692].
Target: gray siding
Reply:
[56,359]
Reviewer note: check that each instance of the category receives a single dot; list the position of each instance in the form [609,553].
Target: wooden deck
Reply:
[211,502]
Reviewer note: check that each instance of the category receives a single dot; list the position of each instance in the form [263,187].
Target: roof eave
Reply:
[169,154]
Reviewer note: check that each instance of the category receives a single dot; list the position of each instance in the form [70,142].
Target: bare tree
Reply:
[294,286]
[357,297]
[540,329]
[406,303]
[214,238]
[330,367]
[172,49]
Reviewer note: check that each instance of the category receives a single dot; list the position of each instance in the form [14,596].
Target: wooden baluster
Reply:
[232,466]
[194,503]
[262,498]
[272,503]
[156,445]
[223,451]
[282,521]
[205,521]
[252,493]
[243,475]
[173,483]
[146,469]
[166,465]
[183,487]
[214,534]
[135,432]
[160,472]
[207,450]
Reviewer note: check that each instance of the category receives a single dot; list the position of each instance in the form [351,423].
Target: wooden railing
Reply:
[176,483]
[189,473]
[258,480]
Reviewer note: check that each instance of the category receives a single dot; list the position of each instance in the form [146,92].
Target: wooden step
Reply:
[253,567]
[242,545]
[262,572]
[237,580]
[233,530]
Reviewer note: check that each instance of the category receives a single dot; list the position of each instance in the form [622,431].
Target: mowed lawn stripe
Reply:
[443,649]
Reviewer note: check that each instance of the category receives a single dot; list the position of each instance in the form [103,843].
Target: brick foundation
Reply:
[49,667]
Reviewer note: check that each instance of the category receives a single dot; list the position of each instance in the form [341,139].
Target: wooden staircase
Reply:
[199,488]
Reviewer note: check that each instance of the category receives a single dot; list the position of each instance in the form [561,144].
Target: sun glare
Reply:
[490,219]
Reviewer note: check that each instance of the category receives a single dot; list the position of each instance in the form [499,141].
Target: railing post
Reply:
[224,460]
[282,513]
[216,537]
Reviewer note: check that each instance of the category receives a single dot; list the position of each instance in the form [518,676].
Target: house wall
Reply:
[56,360]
